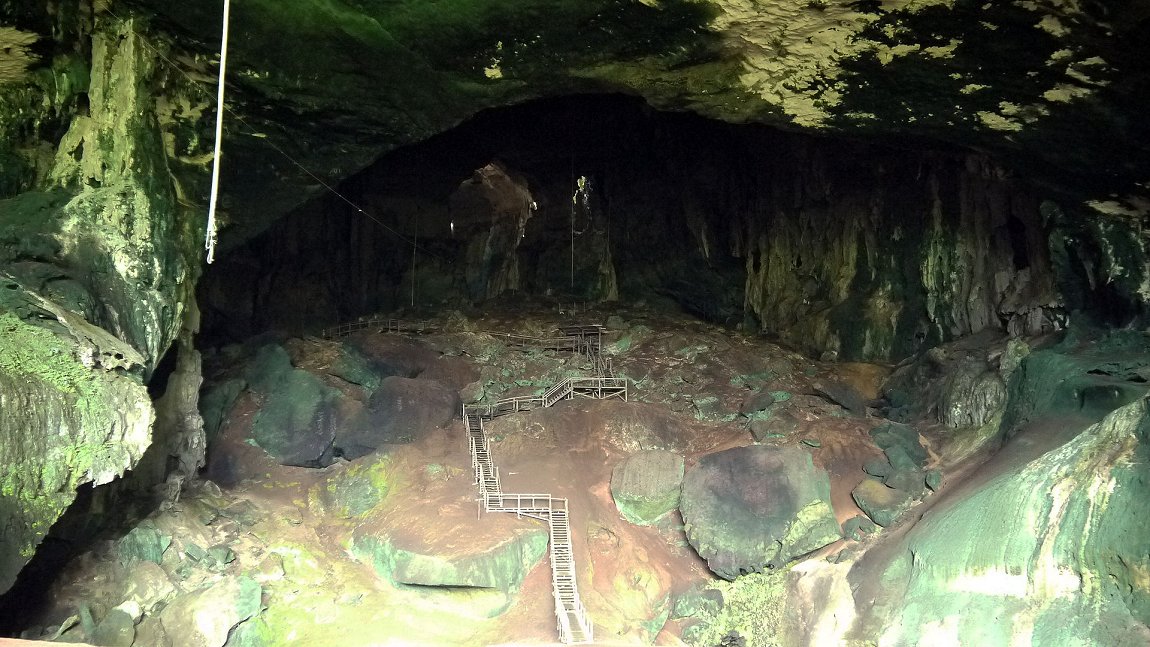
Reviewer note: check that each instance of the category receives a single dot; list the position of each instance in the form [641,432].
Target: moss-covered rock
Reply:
[100,242]
[99,423]
[646,485]
[752,508]
[503,566]
[752,607]
[884,504]
[356,489]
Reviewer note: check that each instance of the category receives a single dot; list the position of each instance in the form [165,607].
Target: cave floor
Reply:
[282,527]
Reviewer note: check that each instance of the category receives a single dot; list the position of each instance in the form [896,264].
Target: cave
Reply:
[649,322]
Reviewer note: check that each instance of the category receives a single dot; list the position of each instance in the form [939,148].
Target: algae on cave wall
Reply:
[98,260]
[904,255]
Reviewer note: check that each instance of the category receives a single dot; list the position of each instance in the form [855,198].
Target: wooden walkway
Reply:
[572,623]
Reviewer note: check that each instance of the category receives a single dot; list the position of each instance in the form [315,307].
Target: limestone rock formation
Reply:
[753,508]
[1046,531]
[1057,82]
[399,411]
[64,423]
[1074,514]
[971,396]
[96,260]
[206,617]
[645,486]
[859,250]
[499,565]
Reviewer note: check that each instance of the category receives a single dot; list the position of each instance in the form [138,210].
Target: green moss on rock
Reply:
[101,422]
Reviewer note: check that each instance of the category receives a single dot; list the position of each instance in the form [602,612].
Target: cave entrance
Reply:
[845,248]
[575,200]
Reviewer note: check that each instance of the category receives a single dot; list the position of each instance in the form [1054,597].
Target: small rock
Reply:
[933,480]
[144,543]
[194,552]
[707,407]
[117,629]
[882,504]
[879,467]
[773,423]
[858,527]
[843,395]
[909,481]
[222,554]
[756,401]
[697,602]
[148,585]
[892,434]
[899,459]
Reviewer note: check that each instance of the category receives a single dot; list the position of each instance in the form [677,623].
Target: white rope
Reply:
[210,236]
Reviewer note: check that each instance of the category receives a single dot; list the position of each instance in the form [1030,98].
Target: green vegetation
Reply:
[102,421]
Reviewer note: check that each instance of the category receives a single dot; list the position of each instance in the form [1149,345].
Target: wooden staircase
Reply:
[572,622]
[573,625]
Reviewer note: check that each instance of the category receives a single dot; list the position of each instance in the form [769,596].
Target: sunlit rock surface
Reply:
[1042,539]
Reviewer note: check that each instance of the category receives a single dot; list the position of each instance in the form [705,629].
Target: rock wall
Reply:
[898,253]
[1069,559]
[97,257]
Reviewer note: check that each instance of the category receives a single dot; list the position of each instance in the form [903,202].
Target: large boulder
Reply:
[297,421]
[490,565]
[298,412]
[752,508]
[399,411]
[646,485]
[205,617]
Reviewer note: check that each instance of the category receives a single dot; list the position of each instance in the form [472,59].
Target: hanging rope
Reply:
[210,236]
[251,130]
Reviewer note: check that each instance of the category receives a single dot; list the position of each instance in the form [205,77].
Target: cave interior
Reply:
[778,385]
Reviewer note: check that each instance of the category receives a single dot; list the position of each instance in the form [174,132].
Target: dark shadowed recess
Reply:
[671,197]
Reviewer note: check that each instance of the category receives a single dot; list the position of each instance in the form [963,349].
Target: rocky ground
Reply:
[338,505]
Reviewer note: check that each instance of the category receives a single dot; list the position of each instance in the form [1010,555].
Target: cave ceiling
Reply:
[1055,88]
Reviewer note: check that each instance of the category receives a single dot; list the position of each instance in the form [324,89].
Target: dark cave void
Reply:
[859,249]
